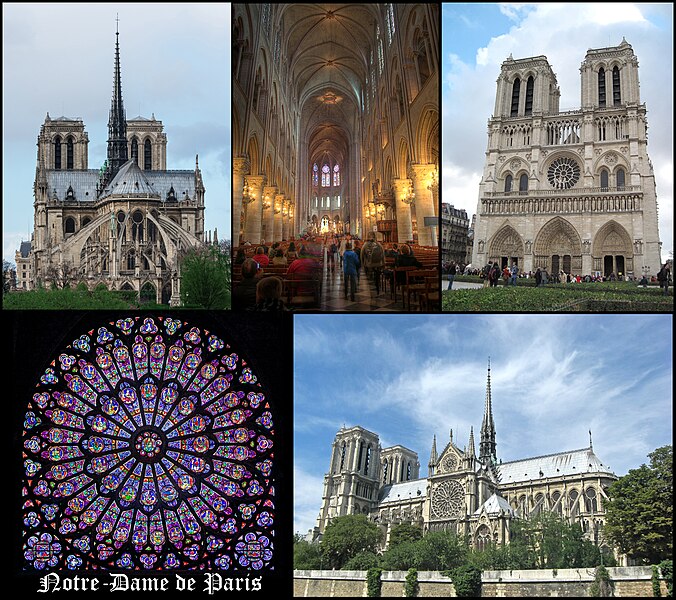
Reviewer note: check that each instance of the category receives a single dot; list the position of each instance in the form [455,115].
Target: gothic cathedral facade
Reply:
[570,191]
[126,225]
[474,495]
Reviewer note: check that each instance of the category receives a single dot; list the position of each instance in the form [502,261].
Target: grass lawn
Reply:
[578,297]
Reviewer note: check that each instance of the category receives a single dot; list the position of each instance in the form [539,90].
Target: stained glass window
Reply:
[391,27]
[326,176]
[336,175]
[315,175]
[148,444]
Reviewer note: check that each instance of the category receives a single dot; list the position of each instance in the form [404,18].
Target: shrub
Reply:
[373,583]
[602,586]
[411,586]
[466,581]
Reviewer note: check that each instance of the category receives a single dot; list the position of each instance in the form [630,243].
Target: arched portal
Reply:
[612,251]
[558,247]
[506,247]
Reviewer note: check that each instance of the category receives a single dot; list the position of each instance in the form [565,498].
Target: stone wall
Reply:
[627,582]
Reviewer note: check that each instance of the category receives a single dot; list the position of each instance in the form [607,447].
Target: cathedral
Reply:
[126,225]
[572,190]
[473,494]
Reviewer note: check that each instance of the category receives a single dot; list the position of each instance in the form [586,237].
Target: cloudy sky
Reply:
[477,38]
[407,378]
[59,58]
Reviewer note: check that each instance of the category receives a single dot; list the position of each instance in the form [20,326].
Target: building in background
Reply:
[454,231]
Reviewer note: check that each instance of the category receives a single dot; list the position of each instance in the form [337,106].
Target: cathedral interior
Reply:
[336,133]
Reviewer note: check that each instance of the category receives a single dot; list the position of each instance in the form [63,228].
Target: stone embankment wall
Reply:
[627,582]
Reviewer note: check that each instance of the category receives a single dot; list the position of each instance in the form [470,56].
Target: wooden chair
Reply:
[415,283]
[430,298]
[395,279]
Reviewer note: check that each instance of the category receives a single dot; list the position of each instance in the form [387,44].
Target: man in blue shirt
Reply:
[350,267]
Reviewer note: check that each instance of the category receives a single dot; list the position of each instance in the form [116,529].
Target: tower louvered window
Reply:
[516,90]
[57,153]
[602,87]
[69,154]
[529,96]
[147,156]
[616,87]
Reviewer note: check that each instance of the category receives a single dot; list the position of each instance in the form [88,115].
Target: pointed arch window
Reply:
[508,183]
[529,96]
[619,177]
[602,87]
[326,175]
[516,90]
[57,153]
[523,183]
[69,153]
[604,179]
[408,472]
[147,156]
[616,87]
[315,175]
[367,462]
[131,260]
[391,26]
[342,456]
[336,175]
[381,60]
[385,472]
[70,225]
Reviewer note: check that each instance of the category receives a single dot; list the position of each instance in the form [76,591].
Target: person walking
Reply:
[373,259]
[486,273]
[514,273]
[452,272]
[350,268]
[664,278]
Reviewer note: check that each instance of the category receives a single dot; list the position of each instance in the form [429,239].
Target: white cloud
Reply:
[307,493]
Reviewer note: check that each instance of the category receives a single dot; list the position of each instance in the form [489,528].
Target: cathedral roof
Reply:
[130,181]
[25,249]
[400,491]
[82,182]
[494,505]
[573,462]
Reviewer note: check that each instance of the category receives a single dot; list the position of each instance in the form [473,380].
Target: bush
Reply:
[411,586]
[373,583]
[466,581]
[666,568]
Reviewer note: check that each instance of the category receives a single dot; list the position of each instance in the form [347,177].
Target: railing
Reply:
[583,191]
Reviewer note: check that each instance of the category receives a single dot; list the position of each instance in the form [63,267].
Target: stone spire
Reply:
[487,445]
[434,457]
[470,448]
[117,122]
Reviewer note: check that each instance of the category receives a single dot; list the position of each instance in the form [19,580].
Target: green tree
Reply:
[439,551]
[639,513]
[547,541]
[404,532]
[400,557]
[205,278]
[306,556]
[346,537]
[363,561]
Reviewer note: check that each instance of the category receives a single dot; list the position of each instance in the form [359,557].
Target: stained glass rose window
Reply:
[148,444]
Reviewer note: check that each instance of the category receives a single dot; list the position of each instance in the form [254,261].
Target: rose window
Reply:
[448,500]
[563,173]
[449,463]
[148,445]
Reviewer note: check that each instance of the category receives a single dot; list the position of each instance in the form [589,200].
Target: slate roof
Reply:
[84,183]
[129,181]
[400,491]
[25,249]
[573,462]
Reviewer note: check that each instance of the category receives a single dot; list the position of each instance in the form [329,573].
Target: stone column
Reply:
[269,193]
[292,217]
[424,203]
[403,210]
[240,167]
[252,227]
[285,220]
[277,221]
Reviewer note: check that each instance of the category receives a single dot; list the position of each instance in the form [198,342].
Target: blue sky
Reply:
[477,38]
[58,58]
[407,378]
